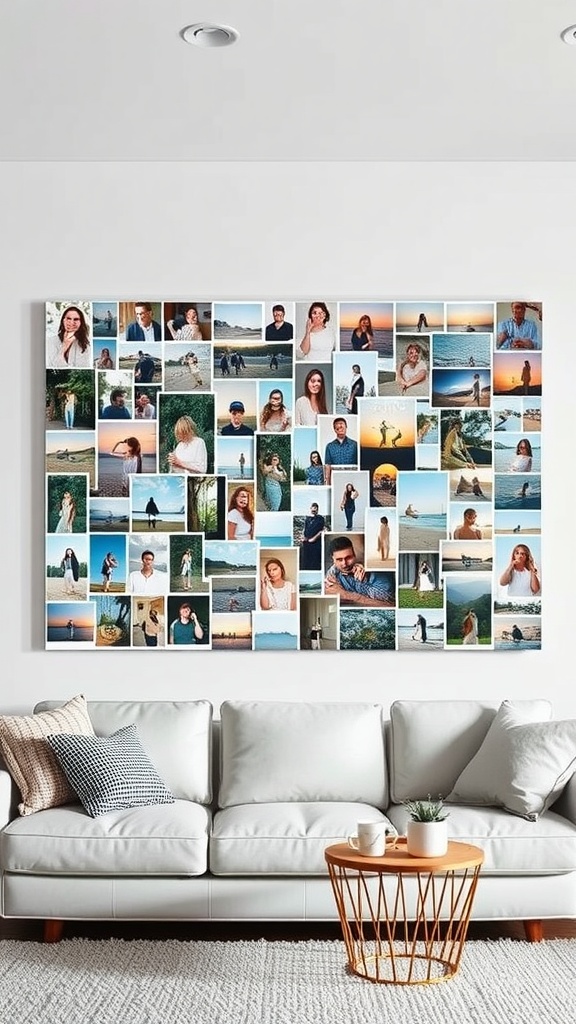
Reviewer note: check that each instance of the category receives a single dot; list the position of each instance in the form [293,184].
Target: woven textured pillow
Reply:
[110,773]
[30,759]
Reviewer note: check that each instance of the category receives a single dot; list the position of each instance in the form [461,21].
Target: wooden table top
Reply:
[458,856]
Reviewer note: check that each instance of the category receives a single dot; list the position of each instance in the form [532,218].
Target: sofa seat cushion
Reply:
[282,838]
[512,845]
[166,839]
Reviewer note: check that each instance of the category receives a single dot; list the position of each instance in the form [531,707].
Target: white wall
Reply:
[347,231]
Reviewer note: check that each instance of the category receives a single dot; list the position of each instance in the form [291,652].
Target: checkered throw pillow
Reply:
[110,773]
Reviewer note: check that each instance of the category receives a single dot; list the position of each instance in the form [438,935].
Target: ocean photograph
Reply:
[517,490]
[461,350]
[506,456]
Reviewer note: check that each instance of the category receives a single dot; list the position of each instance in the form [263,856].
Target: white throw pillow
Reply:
[522,765]
[278,752]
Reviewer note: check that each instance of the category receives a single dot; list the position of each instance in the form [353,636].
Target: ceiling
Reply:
[307,80]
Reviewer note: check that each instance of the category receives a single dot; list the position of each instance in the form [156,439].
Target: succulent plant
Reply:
[426,810]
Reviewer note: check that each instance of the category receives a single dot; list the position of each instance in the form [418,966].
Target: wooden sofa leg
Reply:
[534,931]
[53,930]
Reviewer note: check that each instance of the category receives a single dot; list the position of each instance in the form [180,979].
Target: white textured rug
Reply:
[80,981]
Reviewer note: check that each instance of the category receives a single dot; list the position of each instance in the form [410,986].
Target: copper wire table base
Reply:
[404,919]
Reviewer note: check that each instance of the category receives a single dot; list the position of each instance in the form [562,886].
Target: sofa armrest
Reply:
[566,802]
[8,798]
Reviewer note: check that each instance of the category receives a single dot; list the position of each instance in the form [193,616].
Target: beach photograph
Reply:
[457,389]
[104,324]
[235,458]
[230,558]
[122,448]
[517,373]
[238,321]
[468,611]
[517,522]
[463,350]
[234,595]
[66,568]
[158,503]
[515,453]
[422,503]
[379,331]
[420,317]
[470,317]
[518,633]
[367,629]
[411,376]
[517,491]
[466,556]
[70,624]
[109,515]
[532,413]
[278,632]
[188,367]
[507,414]
[471,485]
[274,360]
[108,565]
[274,529]
[420,630]
[69,453]
[311,583]
[231,632]
[471,518]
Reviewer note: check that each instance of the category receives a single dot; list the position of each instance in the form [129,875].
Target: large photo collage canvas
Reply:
[293,475]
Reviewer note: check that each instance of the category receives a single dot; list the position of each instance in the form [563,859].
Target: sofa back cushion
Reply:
[432,741]
[176,735]
[278,752]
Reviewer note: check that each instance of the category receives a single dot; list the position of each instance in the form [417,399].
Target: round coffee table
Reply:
[404,919]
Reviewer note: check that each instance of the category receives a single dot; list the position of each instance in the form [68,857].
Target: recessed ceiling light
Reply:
[569,35]
[206,34]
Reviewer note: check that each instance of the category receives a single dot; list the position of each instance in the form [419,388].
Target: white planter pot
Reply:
[427,838]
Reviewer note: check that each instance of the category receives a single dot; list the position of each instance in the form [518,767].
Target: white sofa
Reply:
[259,795]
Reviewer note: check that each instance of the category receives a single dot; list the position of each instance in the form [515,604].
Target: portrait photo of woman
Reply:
[277,593]
[70,347]
[240,519]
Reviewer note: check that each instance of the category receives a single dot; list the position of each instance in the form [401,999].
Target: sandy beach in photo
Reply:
[55,590]
[460,401]
[420,538]
[162,526]
[225,643]
[179,378]
[519,532]
[77,462]
[530,423]
[117,587]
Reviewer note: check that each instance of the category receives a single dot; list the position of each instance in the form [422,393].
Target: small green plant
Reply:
[426,810]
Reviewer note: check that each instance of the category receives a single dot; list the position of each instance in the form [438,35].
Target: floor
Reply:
[31,931]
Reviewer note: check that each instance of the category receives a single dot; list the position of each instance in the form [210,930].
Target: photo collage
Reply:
[293,475]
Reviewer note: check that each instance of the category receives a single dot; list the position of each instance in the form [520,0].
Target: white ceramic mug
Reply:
[373,838]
